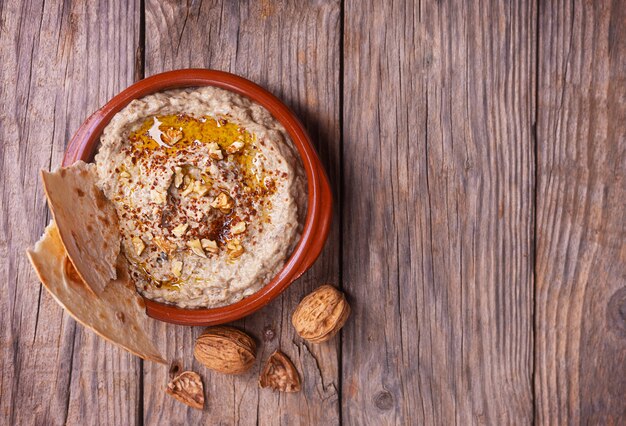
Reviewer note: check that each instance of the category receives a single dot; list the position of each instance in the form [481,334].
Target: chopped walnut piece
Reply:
[158,196]
[210,246]
[235,147]
[200,189]
[188,185]
[223,202]
[178,176]
[139,245]
[187,191]
[196,247]
[238,228]
[171,136]
[163,244]
[177,268]
[234,247]
[180,230]
[214,151]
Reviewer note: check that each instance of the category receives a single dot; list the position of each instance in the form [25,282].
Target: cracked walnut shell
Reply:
[225,349]
[187,388]
[321,314]
[280,374]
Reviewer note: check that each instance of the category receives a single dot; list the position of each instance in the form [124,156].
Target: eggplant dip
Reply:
[209,191]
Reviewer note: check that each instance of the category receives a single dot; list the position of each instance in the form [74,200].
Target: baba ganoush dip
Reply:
[210,194]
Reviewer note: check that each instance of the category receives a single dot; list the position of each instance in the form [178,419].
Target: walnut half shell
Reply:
[187,388]
[280,374]
[321,314]
[225,349]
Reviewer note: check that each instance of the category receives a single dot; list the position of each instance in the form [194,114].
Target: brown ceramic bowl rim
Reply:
[83,146]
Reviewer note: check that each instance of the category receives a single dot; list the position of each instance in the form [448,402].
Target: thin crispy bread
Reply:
[116,314]
[86,220]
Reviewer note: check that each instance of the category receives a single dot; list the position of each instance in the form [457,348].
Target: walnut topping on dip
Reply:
[209,192]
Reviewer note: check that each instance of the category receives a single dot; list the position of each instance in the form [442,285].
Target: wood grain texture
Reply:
[292,49]
[60,61]
[438,202]
[463,122]
[580,321]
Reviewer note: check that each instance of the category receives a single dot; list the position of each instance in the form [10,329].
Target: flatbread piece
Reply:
[87,222]
[116,314]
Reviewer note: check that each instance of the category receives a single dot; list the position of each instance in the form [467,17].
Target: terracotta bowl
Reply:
[85,142]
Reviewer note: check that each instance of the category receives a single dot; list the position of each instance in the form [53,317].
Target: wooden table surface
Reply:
[477,152]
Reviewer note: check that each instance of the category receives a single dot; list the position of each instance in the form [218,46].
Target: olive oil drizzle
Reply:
[205,129]
[193,132]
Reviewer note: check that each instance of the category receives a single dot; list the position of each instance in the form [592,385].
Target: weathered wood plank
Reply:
[60,61]
[438,202]
[292,49]
[581,214]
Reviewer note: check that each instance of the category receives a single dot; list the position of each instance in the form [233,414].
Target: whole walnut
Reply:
[225,349]
[321,314]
